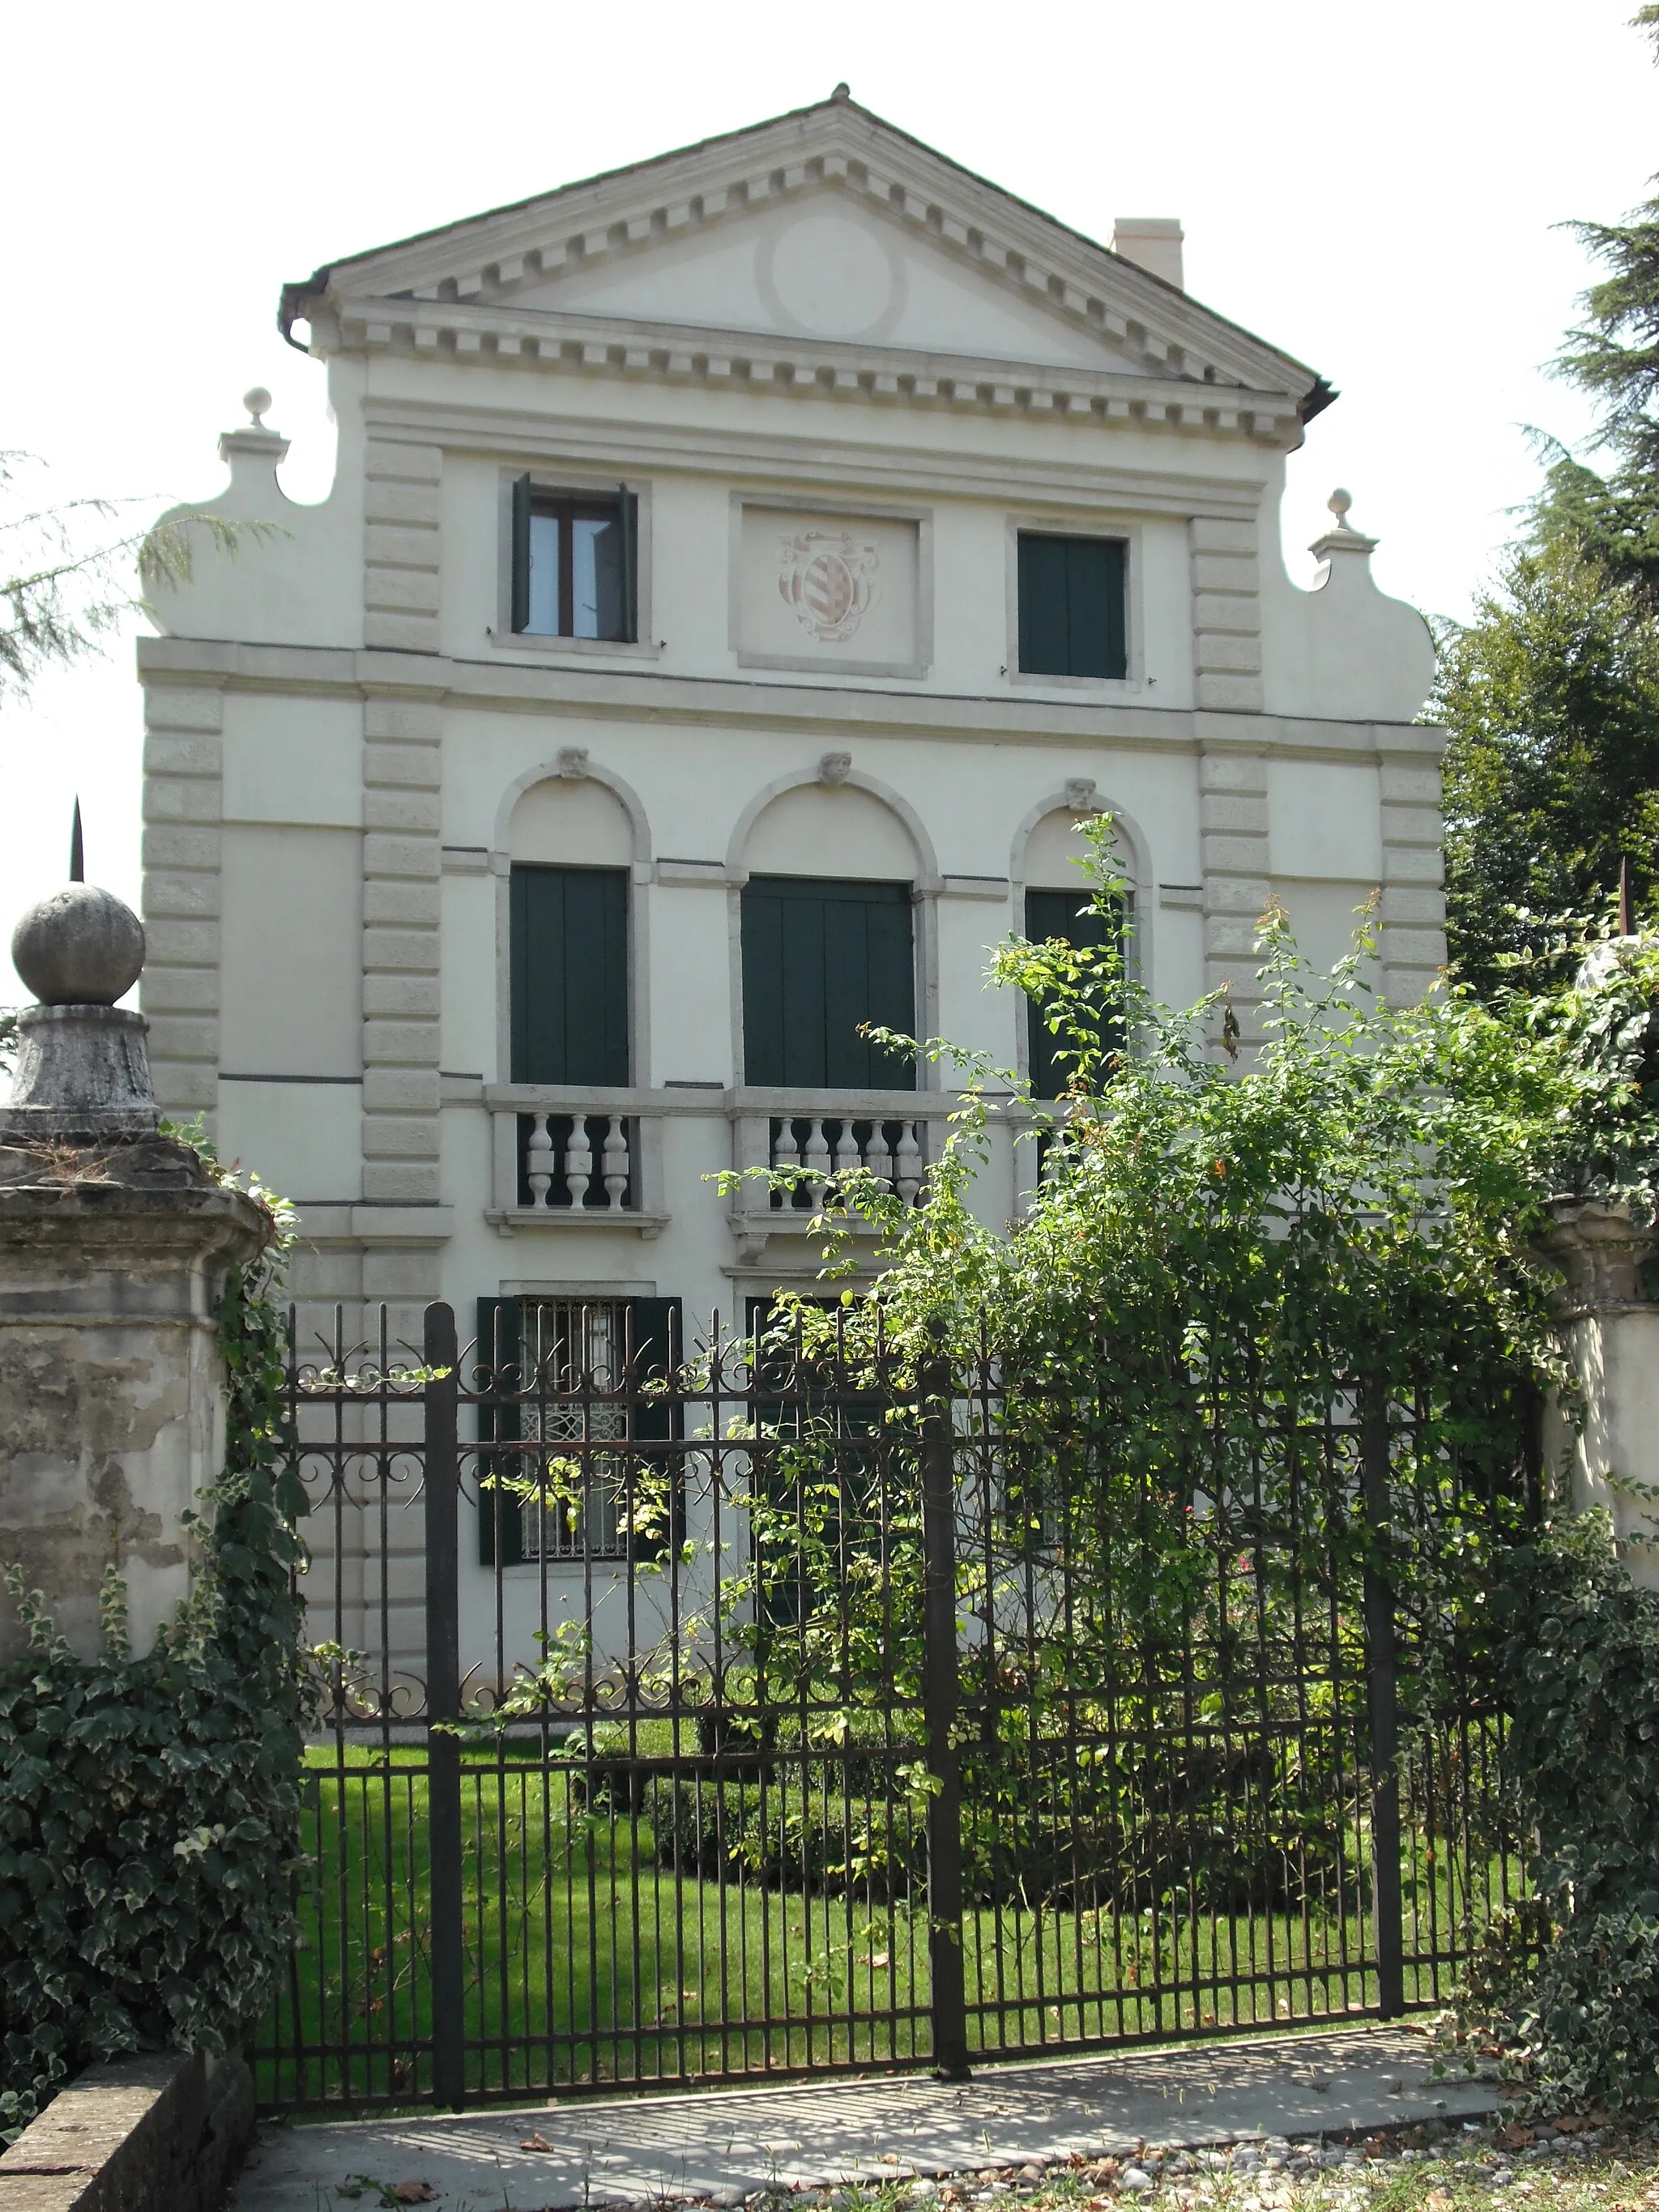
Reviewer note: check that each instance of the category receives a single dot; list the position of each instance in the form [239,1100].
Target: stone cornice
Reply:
[813,369]
[846,711]
[749,455]
[492,259]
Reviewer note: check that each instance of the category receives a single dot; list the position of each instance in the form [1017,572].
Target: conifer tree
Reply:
[1552,692]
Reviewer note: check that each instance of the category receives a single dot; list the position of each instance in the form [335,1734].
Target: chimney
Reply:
[1151,242]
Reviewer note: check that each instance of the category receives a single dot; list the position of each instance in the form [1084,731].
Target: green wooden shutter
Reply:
[629,510]
[1094,606]
[764,994]
[1072,610]
[821,957]
[1117,609]
[501,1513]
[569,968]
[890,994]
[1069,917]
[521,553]
[1044,643]
[657,1347]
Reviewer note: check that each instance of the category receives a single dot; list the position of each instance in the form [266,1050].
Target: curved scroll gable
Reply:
[296,574]
[1343,650]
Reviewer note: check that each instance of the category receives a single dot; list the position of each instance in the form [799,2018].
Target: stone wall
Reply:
[161,2133]
[113,1260]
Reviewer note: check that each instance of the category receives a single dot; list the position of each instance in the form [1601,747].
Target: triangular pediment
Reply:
[828,266]
[827,225]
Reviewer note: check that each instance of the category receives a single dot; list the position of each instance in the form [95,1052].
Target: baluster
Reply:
[538,1160]
[847,1154]
[909,1176]
[877,1158]
[817,1161]
[785,1155]
[578,1160]
[613,1162]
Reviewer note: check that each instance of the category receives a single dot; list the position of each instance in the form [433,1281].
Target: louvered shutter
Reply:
[569,968]
[629,511]
[1073,605]
[821,958]
[520,570]
[1044,599]
[1070,916]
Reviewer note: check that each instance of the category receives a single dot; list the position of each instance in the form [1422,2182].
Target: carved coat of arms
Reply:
[828,578]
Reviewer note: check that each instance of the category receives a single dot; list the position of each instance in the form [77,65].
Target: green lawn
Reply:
[589,1961]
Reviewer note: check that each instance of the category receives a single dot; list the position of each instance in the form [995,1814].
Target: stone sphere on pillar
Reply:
[79,946]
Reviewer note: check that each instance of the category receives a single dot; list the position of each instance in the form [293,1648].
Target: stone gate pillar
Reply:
[1609,1327]
[115,1246]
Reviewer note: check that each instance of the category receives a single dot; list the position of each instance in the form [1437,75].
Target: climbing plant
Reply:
[149,1806]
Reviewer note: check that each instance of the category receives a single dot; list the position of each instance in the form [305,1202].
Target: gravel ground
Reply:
[1573,2165]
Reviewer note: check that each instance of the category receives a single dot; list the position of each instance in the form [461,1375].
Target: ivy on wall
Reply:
[150,1831]
[1569,1982]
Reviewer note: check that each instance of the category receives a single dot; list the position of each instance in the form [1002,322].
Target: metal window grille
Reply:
[572,1352]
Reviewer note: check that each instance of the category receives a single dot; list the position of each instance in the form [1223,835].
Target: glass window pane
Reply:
[596,597]
[545,575]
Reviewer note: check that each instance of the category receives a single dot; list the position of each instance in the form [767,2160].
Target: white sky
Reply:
[1373,188]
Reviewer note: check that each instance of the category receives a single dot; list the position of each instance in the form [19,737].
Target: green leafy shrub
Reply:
[1233,1259]
[1571,1982]
[150,1831]
[1601,1028]
[791,1834]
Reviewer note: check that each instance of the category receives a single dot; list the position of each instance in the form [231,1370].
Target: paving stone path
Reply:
[721,2146]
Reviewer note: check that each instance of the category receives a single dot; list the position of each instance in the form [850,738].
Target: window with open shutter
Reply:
[1073,917]
[569,961]
[575,563]
[1073,605]
[821,957]
[587,1381]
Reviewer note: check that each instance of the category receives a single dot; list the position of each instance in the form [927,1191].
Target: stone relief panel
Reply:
[837,591]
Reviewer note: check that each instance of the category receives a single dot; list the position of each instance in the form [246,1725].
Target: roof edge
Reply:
[291,303]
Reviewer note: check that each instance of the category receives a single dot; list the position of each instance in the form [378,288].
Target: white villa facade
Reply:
[741,572]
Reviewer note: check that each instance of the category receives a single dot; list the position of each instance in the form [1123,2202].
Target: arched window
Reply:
[567,911]
[1060,902]
[826,956]
[822,957]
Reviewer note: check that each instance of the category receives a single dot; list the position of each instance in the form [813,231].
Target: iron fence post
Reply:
[940,1691]
[443,1704]
[1382,1689]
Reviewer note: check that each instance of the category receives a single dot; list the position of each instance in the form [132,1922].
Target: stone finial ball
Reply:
[1340,501]
[257,404]
[80,946]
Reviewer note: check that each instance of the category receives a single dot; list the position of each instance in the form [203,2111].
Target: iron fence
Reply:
[799,1709]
